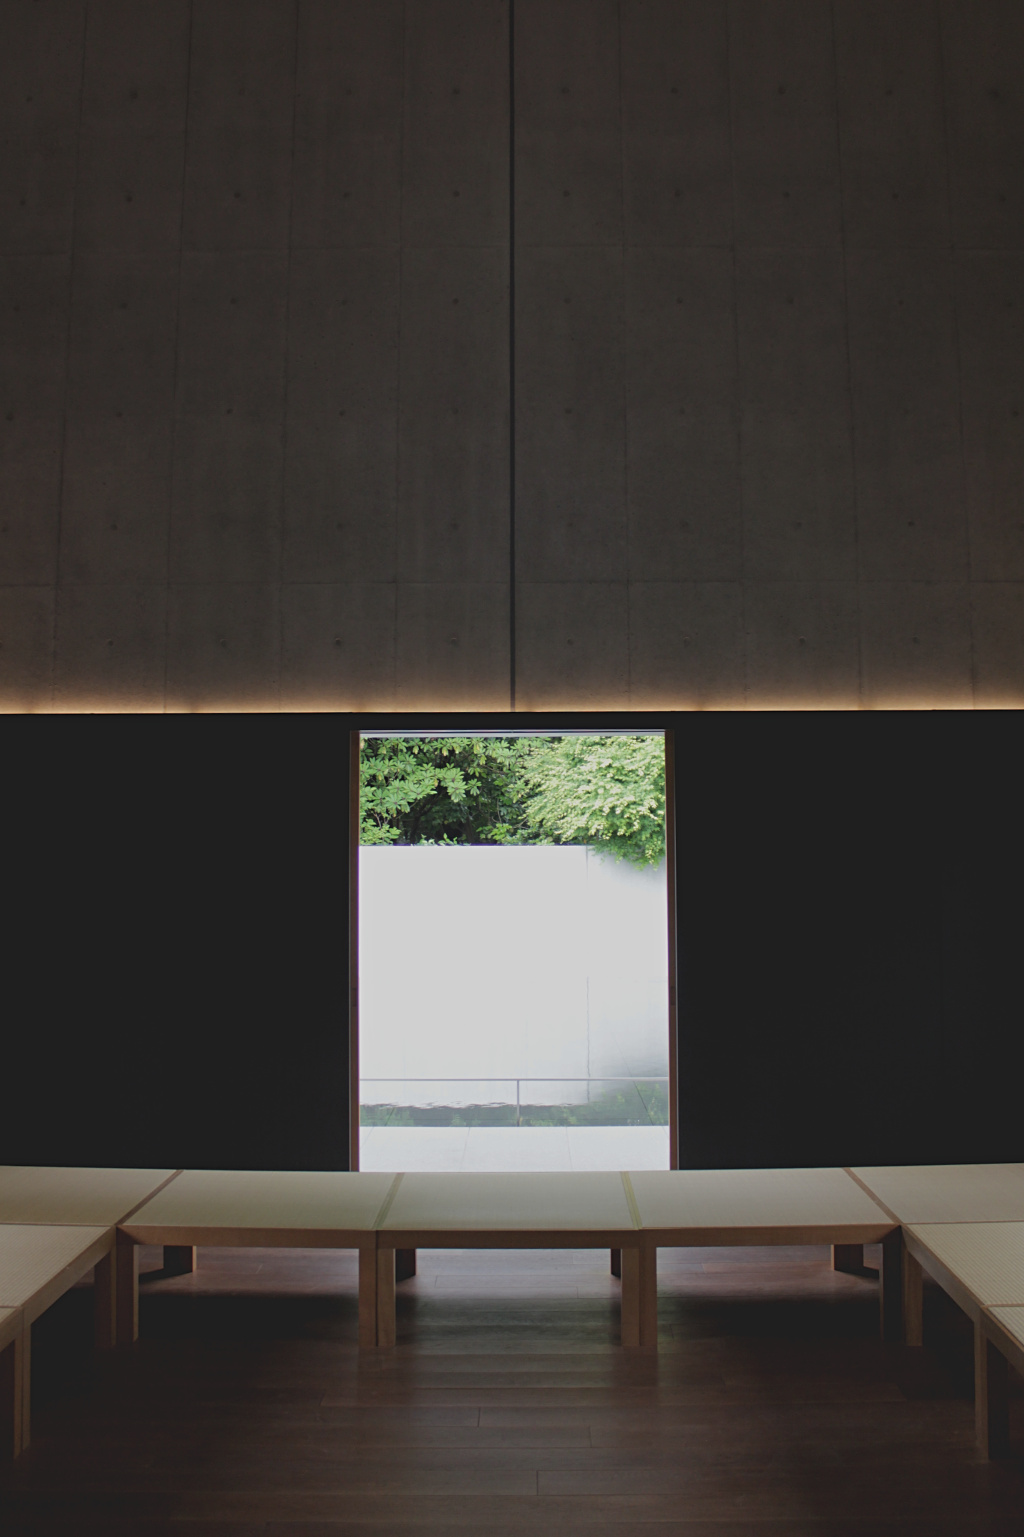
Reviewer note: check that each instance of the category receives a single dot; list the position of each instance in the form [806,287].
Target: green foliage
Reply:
[438,789]
[607,792]
[633,1103]
[604,791]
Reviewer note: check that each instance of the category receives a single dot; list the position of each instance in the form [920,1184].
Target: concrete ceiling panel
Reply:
[983,52]
[116,497]
[341,438]
[916,644]
[132,140]
[905,384]
[455,123]
[30,470]
[682,416]
[685,645]
[568,123]
[990,323]
[677,158]
[453,415]
[223,646]
[785,131]
[123,335]
[797,481]
[571,645]
[226,500]
[41,50]
[801,642]
[240,116]
[451,646]
[26,648]
[570,415]
[346,176]
[338,646]
[997,629]
[110,647]
[231,338]
[892,126]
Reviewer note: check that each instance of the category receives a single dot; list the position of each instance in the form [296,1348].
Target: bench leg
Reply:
[179,1259]
[367,1298]
[385,1298]
[991,1397]
[405,1264]
[848,1257]
[24,1386]
[104,1287]
[912,1298]
[617,1263]
[639,1305]
[12,1394]
[126,1260]
[891,1288]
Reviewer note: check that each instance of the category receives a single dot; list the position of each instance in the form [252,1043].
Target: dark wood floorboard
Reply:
[771,1408]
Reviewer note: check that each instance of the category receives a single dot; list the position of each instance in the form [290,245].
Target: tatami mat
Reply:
[986,1257]
[34,1193]
[517,1202]
[949,1192]
[31,1255]
[752,1198]
[248,1198]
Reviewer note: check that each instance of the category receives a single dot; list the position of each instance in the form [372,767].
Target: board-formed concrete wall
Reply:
[255,364]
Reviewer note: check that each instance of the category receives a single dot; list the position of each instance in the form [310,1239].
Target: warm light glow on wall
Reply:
[97,706]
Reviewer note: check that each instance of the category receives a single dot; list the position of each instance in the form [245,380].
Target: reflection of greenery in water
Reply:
[628,1103]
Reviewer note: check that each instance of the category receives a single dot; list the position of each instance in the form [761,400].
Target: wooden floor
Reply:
[771,1409]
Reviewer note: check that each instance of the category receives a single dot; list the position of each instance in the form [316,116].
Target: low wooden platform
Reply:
[513,1211]
[688,1208]
[252,1208]
[981,1266]
[38,1264]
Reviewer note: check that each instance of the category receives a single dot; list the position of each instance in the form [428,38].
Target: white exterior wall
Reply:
[508,963]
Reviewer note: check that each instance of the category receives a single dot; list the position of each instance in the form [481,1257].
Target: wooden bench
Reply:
[704,1208]
[512,1211]
[39,1197]
[38,1264]
[935,1193]
[1003,1333]
[12,1389]
[256,1209]
[981,1266]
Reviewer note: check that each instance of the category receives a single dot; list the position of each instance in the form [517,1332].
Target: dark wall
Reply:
[175,937]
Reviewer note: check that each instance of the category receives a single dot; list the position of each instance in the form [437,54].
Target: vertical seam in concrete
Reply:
[396,568]
[625,376]
[177,359]
[59,530]
[738,397]
[296,15]
[849,360]
[512,355]
[954,295]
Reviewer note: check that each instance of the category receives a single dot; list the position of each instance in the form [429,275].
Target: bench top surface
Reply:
[1012,1320]
[752,1198]
[238,1199]
[10,1326]
[70,1196]
[510,1202]
[949,1192]
[987,1258]
[31,1255]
